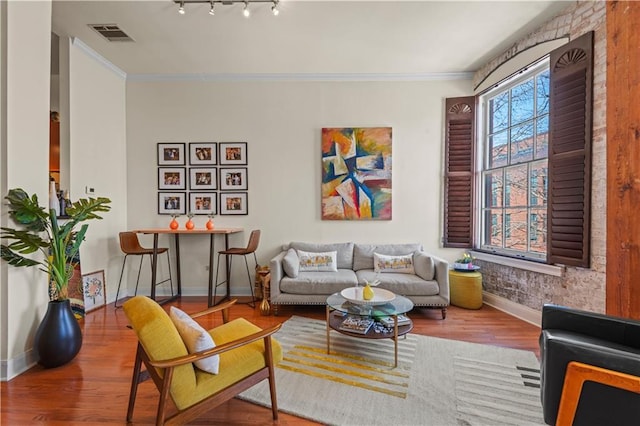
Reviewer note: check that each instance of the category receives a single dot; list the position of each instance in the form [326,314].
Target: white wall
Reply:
[25,163]
[281,121]
[97,123]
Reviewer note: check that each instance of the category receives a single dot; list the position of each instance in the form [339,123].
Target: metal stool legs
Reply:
[215,288]
[124,262]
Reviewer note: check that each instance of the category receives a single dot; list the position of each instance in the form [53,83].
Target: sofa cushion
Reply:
[196,339]
[234,364]
[363,253]
[397,264]
[291,263]
[344,250]
[424,266]
[319,282]
[403,284]
[317,261]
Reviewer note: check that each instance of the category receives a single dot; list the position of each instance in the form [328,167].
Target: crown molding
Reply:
[230,77]
[76,42]
[225,77]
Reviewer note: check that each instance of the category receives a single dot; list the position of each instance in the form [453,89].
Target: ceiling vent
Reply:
[111,32]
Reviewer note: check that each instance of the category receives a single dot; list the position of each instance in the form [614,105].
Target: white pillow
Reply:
[291,263]
[196,339]
[397,264]
[318,262]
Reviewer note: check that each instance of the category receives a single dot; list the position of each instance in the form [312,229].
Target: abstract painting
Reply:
[356,173]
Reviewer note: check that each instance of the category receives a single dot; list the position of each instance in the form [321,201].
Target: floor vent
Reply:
[111,32]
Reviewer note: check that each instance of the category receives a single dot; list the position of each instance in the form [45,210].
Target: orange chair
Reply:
[252,246]
[130,246]
[577,374]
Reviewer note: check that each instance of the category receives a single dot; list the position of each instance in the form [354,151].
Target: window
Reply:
[524,190]
[533,230]
[514,149]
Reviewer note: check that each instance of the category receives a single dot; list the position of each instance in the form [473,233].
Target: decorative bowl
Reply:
[459,265]
[380,296]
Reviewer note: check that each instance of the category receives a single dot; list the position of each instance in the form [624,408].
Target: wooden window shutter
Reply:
[459,172]
[570,123]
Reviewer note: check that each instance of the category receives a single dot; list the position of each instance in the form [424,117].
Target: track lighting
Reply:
[275,5]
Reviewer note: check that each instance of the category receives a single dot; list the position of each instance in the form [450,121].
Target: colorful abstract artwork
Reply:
[356,173]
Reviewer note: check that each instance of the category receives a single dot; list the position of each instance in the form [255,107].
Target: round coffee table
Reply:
[400,305]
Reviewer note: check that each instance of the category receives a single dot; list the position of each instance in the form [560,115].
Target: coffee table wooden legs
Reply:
[328,329]
[395,339]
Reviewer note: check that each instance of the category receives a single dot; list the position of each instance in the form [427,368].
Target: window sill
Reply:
[556,271]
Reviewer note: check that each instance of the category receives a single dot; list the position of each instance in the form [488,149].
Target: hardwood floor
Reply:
[94,387]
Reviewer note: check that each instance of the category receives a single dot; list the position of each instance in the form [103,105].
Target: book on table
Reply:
[355,324]
[388,320]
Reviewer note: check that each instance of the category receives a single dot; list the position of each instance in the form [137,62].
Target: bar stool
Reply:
[130,246]
[252,246]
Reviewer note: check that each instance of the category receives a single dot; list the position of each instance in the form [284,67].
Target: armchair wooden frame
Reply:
[163,383]
[577,374]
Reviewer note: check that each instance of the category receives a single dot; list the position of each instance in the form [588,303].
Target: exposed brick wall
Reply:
[579,288]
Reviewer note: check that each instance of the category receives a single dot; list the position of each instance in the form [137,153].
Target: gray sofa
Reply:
[428,286]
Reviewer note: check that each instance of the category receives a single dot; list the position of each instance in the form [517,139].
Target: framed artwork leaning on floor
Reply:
[94,290]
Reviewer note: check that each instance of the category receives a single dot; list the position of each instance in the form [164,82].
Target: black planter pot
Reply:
[59,337]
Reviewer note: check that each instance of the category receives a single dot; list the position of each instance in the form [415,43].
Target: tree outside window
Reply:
[514,171]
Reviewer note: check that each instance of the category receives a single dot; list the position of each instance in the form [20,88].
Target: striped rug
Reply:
[437,381]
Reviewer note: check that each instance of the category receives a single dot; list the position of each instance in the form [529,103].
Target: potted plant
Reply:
[59,337]
[465,262]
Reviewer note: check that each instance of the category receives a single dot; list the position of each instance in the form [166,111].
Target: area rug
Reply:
[437,382]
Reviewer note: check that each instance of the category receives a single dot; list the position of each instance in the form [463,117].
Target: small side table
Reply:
[466,289]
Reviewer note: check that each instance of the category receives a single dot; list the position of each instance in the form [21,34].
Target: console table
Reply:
[176,233]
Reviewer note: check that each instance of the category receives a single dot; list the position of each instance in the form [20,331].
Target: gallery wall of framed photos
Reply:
[203,178]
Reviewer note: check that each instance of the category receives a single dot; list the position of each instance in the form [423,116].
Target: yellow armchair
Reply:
[247,356]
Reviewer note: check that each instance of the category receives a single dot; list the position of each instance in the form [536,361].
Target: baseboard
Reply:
[15,366]
[512,308]
[244,292]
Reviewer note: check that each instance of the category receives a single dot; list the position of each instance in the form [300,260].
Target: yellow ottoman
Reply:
[466,289]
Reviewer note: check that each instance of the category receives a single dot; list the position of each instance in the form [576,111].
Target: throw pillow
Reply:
[196,339]
[318,262]
[423,264]
[397,264]
[291,263]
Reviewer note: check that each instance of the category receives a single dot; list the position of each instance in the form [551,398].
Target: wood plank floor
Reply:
[94,387]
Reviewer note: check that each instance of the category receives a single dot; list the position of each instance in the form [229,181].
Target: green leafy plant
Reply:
[40,231]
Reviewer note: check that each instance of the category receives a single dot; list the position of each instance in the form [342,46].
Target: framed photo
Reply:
[233,203]
[233,153]
[172,203]
[94,290]
[203,178]
[171,154]
[171,178]
[203,202]
[203,154]
[233,179]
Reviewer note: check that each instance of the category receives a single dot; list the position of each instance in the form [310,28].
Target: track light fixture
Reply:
[275,9]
